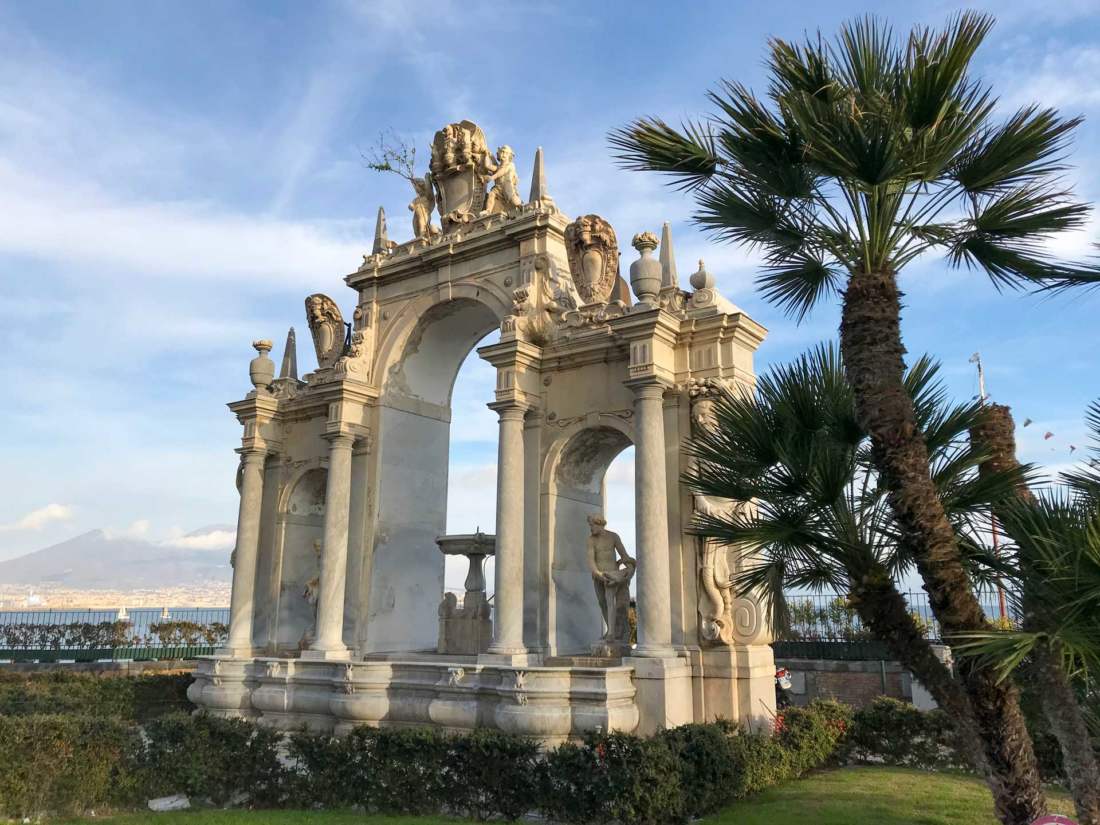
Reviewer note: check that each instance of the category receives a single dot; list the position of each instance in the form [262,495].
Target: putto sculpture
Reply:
[612,569]
[593,257]
[504,196]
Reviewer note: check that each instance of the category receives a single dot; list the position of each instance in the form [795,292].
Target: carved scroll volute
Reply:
[326,324]
[593,257]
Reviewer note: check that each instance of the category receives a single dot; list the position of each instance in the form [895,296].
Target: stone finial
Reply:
[669,278]
[381,238]
[645,273]
[539,192]
[261,369]
[289,368]
[701,279]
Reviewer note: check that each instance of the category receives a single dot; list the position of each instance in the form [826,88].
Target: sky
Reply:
[176,177]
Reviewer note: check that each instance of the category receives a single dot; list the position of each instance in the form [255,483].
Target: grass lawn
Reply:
[885,796]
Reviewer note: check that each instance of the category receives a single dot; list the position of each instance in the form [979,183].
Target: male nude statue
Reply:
[611,582]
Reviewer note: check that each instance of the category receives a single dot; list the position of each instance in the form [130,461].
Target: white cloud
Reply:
[212,540]
[37,519]
[138,529]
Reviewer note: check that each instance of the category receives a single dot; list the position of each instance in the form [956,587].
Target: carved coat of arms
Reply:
[327,326]
[593,254]
[461,166]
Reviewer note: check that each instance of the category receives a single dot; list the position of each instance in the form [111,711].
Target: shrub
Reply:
[134,698]
[614,777]
[54,764]
[710,771]
[489,773]
[811,735]
[896,733]
[207,757]
[402,768]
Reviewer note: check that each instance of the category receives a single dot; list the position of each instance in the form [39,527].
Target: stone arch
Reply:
[301,526]
[418,363]
[426,342]
[574,471]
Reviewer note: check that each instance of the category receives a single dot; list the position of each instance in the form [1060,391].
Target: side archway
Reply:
[576,468]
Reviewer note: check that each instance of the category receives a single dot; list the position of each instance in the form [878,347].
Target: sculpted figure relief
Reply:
[504,196]
[593,257]
[612,569]
[422,207]
[326,324]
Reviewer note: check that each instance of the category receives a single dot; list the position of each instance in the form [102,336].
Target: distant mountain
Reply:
[98,560]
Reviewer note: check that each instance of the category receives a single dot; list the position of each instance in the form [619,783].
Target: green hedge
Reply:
[63,764]
[896,733]
[128,698]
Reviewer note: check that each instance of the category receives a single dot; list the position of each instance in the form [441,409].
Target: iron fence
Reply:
[92,635]
[826,617]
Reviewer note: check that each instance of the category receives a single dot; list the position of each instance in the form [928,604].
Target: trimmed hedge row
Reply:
[68,764]
[127,698]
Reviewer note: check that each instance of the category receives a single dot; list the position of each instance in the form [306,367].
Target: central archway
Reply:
[414,437]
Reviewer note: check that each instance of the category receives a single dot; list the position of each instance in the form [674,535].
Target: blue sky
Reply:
[175,178]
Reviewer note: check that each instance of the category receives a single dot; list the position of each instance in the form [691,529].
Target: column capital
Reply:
[648,386]
[340,440]
[254,452]
[509,410]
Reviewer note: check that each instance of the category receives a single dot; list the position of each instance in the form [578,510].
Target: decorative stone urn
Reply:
[261,369]
[645,273]
[701,279]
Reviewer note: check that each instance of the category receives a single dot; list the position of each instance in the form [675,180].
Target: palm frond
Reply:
[649,144]
[799,283]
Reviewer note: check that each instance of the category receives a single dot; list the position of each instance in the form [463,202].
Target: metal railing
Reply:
[93,635]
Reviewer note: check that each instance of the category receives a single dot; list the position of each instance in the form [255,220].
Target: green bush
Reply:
[811,735]
[489,773]
[207,757]
[896,733]
[55,764]
[710,772]
[131,698]
[614,777]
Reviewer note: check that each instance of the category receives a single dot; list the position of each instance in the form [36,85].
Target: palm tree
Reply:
[1057,579]
[820,518]
[866,154]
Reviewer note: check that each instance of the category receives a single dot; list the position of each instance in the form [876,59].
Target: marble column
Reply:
[329,642]
[356,589]
[508,623]
[242,599]
[651,523]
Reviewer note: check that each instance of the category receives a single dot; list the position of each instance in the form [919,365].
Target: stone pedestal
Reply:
[738,683]
[663,693]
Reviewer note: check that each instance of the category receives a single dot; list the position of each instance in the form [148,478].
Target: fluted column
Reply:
[242,599]
[651,522]
[508,625]
[329,643]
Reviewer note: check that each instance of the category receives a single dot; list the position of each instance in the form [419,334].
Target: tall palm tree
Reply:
[1057,579]
[820,518]
[866,154]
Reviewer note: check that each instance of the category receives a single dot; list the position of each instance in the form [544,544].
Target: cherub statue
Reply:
[422,207]
[504,196]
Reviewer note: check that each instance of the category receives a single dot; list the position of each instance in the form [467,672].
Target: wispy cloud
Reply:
[37,519]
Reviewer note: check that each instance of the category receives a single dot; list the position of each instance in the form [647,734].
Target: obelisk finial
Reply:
[289,368]
[381,239]
[669,278]
[539,193]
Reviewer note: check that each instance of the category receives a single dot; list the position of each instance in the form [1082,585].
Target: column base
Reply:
[654,652]
[519,659]
[339,654]
[664,696]
[234,652]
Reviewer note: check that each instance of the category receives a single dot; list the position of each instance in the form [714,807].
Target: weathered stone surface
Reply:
[338,611]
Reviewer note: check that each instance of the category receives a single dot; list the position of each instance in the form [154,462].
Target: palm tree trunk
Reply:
[883,610]
[996,434]
[870,341]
